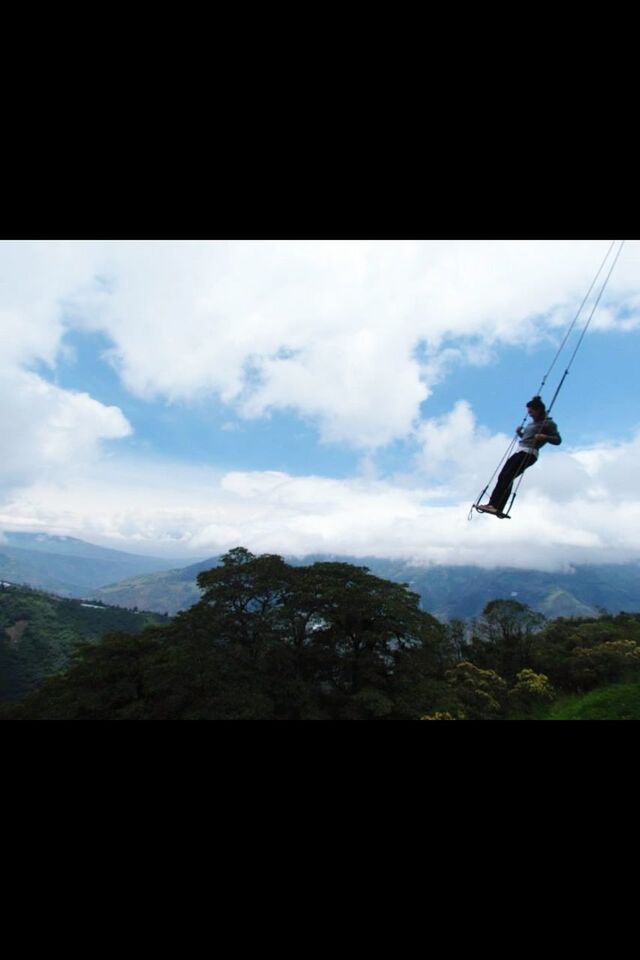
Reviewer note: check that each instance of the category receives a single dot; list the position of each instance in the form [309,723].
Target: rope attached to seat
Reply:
[553,362]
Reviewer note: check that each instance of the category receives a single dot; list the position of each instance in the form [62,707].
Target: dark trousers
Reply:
[514,466]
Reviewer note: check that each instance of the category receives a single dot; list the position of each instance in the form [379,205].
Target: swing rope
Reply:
[586,326]
[507,453]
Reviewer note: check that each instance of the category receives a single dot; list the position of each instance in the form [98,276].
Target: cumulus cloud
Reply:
[456,452]
[46,430]
[36,279]
[197,512]
[351,334]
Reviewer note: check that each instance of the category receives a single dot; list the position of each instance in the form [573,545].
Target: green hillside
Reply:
[39,632]
[617,702]
[166,592]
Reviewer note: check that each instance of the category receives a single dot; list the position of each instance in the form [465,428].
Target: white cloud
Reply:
[352,334]
[44,429]
[35,278]
[456,452]
[571,509]
[49,431]
[326,328]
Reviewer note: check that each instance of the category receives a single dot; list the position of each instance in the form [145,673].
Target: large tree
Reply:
[331,638]
[267,640]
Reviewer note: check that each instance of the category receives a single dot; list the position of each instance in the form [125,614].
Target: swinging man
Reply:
[532,437]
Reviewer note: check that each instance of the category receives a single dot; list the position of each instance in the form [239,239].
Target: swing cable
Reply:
[507,453]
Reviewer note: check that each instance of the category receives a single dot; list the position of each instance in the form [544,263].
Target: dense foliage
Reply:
[330,641]
[266,641]
[39,633]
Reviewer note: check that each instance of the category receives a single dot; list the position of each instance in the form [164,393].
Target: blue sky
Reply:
[596,402]
[183,397]
[202,430]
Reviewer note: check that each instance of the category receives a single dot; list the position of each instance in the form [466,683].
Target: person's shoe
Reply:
[487,508]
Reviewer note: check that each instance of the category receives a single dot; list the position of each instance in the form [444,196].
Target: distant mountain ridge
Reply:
[446,591]
[74,568]
[166,592]
[67,566]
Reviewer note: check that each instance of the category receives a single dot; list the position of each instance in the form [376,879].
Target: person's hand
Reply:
[540,437]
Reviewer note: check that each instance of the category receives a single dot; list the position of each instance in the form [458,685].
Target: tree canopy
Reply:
[267,640]
[270,640]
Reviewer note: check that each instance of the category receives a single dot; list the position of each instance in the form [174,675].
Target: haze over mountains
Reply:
[446,591]
[68,566]
[71,567]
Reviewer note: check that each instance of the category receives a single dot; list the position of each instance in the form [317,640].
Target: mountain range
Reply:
[446,592]
[74,568]
[67,566]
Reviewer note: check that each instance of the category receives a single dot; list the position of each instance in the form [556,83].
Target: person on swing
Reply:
[532,437]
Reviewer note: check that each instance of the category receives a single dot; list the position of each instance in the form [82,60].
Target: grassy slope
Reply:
[620,701]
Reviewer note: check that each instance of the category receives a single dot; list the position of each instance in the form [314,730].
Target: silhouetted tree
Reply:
[503,637]
[266,641]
